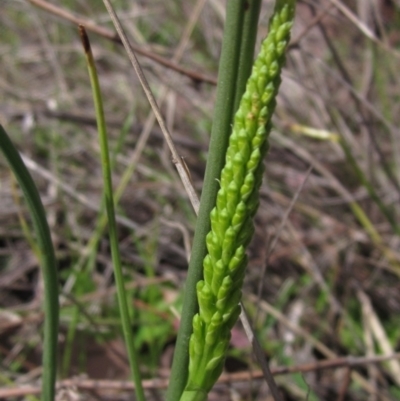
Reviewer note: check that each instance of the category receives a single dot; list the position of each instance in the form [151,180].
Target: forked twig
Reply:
[182,171]
[108,34]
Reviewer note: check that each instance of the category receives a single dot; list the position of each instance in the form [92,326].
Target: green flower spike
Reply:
[232,218]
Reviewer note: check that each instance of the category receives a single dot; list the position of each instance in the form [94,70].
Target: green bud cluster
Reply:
[232,218]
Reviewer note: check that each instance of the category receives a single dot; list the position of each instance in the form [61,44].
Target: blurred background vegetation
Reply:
[323,280]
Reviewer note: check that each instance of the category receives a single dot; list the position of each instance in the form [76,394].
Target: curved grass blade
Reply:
[48,263]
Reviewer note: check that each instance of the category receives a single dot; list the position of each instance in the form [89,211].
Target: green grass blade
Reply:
[48,262]
[112,226]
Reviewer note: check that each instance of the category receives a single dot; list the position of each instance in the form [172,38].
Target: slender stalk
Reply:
[48,262]
[109,204]
[69,342]
[247,45]
[223,116]
[87,261]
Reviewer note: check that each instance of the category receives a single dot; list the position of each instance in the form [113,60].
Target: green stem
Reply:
[112,226]
[48,262]
[247,45]
[223,116]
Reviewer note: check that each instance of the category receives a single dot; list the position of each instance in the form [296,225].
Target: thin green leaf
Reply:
[112,226]
[48,262]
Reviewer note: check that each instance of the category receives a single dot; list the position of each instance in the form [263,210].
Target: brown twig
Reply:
[315,21]
[111,35]
[153,103]
[87,384]
[360,25]
[89,120]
